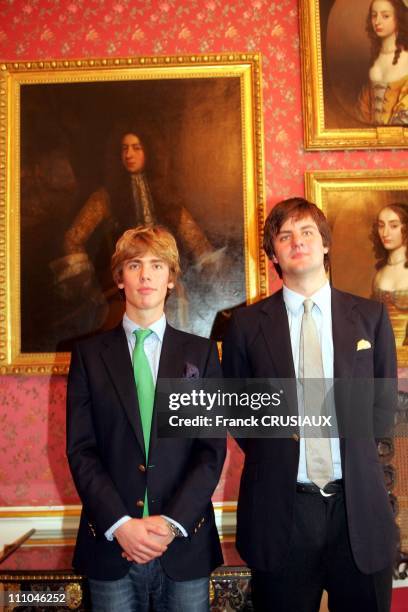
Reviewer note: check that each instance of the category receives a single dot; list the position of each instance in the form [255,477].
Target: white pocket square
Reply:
[362,345]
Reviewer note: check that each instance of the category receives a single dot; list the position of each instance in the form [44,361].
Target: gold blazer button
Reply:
[140,503]
[142,468]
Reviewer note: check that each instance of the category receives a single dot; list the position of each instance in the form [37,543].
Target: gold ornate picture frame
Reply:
[198,120]
[338,96]
[351,202]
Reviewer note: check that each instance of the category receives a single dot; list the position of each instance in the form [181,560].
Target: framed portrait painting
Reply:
[94,147]
[368,215]
[354,74]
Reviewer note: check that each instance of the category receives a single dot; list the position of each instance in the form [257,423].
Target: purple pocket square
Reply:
[190,371]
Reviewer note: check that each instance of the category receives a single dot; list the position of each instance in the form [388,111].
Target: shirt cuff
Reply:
[109,533]
[183,531]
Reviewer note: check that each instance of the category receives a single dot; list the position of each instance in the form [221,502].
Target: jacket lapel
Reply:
[344,334]
[119,366]
[344,345]
[275,328]
[171,365]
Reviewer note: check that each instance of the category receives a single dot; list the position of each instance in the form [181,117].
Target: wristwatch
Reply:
[174,530]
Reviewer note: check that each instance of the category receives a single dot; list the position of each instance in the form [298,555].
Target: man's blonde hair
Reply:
[137,241]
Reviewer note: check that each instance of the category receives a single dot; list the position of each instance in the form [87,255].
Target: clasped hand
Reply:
[144,539]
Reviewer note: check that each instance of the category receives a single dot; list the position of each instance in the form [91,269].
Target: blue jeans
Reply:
[146,588]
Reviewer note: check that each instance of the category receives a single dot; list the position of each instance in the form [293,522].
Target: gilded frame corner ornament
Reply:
[351,200]
[98,72]
[318,135]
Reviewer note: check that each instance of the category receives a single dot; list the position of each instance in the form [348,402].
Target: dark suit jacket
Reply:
[107,459]
[257,344]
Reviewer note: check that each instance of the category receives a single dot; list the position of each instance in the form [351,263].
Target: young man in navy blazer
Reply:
[300,538]
[139,561]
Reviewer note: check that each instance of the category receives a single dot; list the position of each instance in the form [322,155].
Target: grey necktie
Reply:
[318,450]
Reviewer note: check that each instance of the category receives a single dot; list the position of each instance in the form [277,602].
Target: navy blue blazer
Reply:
[257,344]
[106,455]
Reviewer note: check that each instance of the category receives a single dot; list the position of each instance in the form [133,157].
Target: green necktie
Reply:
[145,391]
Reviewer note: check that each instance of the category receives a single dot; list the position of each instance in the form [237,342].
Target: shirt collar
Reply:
[158,327]
[294,301]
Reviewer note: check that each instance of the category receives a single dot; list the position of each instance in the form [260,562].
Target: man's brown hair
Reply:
[137,241]
[296,208]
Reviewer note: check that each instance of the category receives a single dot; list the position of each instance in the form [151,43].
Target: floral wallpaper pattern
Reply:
[33,468]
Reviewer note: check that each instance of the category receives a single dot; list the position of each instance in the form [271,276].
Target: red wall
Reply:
[32,463]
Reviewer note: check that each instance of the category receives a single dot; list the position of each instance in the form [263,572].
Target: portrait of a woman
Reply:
[390,285]
[383,99]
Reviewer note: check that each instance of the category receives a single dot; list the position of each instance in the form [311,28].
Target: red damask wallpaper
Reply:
[33,470]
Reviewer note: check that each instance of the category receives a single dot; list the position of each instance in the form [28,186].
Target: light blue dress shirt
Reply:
[152,344]
[152,348]
[321,314]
